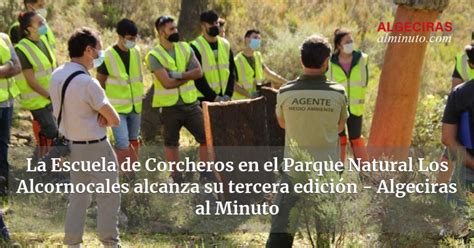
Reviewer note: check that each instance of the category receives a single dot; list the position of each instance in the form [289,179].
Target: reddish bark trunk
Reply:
[394,116]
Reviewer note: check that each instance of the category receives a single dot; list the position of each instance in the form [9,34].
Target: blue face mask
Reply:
[43,29]
[99,60]
[255,44]
[129,44]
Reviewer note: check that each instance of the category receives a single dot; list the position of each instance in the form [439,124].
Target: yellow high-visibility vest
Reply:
[463,67]
[215,70]
[355,83]
[42,69]
[248,77]
[125,92]
[8,86]
[169,97]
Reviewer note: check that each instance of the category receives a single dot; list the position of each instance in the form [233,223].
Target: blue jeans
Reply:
[129,129]
[6,115]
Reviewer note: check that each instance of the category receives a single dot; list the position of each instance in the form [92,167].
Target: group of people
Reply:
[317,82]
[68,101]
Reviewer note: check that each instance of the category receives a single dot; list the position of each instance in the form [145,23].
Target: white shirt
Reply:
[84,97]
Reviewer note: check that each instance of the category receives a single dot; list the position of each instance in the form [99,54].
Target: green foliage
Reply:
[344,219]
[8,14]
[332,218]
[427,131]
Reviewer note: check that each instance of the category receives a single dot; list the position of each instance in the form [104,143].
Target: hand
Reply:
[224,98]
[102,121]
[175,75]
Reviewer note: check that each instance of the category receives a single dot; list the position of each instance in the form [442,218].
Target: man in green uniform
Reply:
[312,111]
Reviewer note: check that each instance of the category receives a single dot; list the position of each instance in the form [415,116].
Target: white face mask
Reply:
[42,12]
[348,48]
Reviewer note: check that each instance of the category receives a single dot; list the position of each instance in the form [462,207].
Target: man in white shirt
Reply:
[86,112]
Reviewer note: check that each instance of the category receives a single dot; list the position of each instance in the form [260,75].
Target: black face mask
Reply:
[213,31]
[174,37]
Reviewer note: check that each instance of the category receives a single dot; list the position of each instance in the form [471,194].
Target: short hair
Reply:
[209,16]
[339,34]
[25,19]
[127,27]
[250,32]
[25,2]
[162,21]
[470,52]
[314,51]
[80,39]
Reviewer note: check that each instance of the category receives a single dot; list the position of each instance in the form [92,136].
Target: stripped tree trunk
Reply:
[395,109]
[188,24]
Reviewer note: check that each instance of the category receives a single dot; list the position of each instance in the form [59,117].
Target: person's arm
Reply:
[343,115]
[33,83]
[97,100]
[281,121]
[455,106]
[449,139]
[108,117]
[102,74]
[239,89]
[28,73]
[193,71]
[456,78]
[455,82]
[279,111]
[273,76]
[201,83]
[229,91]
[101,78]
[341,125]
[12,67]
[168,83]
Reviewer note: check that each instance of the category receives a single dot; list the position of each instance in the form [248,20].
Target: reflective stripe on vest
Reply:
[355,84]
[124,91]
[169,97]
[42,69]
[216,71]
[463,67]
[8,87]
[248,77]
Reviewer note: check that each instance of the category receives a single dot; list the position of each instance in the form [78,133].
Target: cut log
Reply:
[276,134]
[237,131]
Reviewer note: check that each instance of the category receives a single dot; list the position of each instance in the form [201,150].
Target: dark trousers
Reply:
[280,234]
[47,122]
[190,116]
[354,127]
[6,115]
